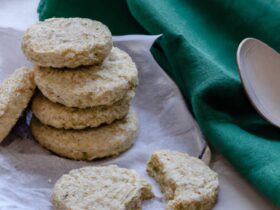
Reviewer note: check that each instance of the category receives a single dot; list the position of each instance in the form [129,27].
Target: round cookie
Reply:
[187,182]
[59,116]
[67,42]
[89,86]
[15,94]
[88,144]
[101,187]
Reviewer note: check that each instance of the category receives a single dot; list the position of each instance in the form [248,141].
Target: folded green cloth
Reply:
[113,13]
[199,46]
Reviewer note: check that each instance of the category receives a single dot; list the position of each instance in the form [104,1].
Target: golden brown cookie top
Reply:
[67,42]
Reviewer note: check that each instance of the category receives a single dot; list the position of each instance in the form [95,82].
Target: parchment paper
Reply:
[28,172]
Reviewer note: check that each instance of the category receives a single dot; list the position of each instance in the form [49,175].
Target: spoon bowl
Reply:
[259,69]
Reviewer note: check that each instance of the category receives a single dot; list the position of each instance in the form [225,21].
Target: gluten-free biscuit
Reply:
[89,86]
[15,94]
[100,188]
[186,182]
[88,144]
[59,116]
[67,42]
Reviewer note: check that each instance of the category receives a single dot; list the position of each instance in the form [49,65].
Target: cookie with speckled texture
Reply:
[100,188]
[91,143]
[186,182]
[67,42]
[15,94]
[59,116]
[89,86]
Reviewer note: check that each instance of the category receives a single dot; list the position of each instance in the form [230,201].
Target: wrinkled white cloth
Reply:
[28,172]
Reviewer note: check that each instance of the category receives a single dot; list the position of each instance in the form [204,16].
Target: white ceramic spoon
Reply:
[259,68]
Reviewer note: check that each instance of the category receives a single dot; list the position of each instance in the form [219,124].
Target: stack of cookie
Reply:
[82,110]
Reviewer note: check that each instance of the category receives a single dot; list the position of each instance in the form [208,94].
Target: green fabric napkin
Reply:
[113,13]
[198,50]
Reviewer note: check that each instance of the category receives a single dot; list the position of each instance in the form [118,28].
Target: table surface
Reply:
[19,14]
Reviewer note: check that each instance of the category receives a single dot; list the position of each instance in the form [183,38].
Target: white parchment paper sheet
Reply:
[28,172]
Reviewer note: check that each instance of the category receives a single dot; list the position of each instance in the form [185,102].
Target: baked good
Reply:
[187,182]
[59,116]
[88,144]
[88,86]
[100,188]
[67,42]
[15,94]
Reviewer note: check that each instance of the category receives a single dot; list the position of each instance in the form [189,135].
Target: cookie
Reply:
[186,182]
[15,94]
[67,42]
[88,144]
[103,187]
[89,86]
[59,116]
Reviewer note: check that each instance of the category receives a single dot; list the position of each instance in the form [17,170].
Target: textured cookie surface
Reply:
[100,188]
[89,86]
[67,42]
[15,94]
[186,182]
[88,144]
[59,116]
